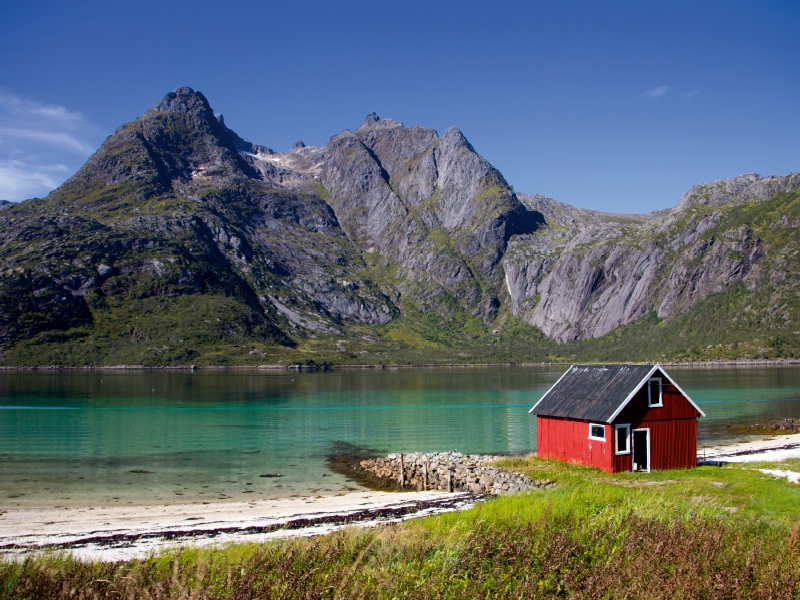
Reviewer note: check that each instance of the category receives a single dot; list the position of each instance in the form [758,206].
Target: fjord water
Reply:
[137,437]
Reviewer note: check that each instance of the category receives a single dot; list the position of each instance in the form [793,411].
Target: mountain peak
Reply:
[455,134]
[178,139]
[209,247]
[373,123]
[183,100]
[747,186]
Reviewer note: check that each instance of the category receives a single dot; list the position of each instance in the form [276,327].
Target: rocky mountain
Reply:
[591,273]
[180,241]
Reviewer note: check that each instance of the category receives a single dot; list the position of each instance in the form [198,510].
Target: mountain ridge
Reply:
[179,241]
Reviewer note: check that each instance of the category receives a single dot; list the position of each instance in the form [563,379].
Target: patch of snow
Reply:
[272,159]
[306,150]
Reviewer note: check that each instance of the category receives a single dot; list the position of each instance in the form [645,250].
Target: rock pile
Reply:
[449,471]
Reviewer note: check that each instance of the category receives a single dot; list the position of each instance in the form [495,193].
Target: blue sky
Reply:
[617,106]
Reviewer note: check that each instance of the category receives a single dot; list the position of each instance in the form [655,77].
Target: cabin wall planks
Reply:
[673,429]
[568,440]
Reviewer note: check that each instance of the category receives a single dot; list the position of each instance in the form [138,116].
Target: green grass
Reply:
[713,492]
[710,532]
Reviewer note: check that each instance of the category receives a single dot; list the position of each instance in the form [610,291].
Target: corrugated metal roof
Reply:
[591,392]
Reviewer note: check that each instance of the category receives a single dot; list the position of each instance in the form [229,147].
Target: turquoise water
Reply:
[75,438]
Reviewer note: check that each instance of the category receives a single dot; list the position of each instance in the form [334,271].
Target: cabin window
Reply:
[654,397]
[597,432]
[623,439]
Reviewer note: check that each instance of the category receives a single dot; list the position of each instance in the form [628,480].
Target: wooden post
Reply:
[402,473]
[449,480]
[425,476]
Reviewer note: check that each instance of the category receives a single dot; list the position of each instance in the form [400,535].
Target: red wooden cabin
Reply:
[618,418]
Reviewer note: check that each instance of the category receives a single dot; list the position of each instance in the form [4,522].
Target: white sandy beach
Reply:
[120,532]
[772,449]
[765,449]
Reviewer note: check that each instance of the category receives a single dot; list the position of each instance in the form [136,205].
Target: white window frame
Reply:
[626,426]
[599,439]
[660,402]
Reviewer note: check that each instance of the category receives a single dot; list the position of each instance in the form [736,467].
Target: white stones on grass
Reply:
[792,476]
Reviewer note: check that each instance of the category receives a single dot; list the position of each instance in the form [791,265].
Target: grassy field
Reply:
[711,532]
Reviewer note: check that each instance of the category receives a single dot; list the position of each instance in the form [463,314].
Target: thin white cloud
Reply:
[692,94]
[20,180]
[12,105]
[41,145]
[656,92]
[62,140]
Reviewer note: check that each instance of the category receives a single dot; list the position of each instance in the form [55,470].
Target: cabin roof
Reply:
[597,392]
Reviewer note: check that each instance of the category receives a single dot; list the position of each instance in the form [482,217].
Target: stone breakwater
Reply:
[449,471]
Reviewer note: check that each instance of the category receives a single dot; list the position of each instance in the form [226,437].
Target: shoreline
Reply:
[698,364]
[121,533]
[110,533]
[763,449]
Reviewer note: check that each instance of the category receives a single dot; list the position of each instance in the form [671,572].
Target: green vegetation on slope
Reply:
[156,331]
[171,247]
[208,330]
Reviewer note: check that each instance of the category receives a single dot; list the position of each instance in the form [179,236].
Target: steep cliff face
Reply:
[431,205]
[588,274]
[176,204]
[167,217]
[184,241]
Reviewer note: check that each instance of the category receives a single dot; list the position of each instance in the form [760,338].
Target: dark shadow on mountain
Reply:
[526,223]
